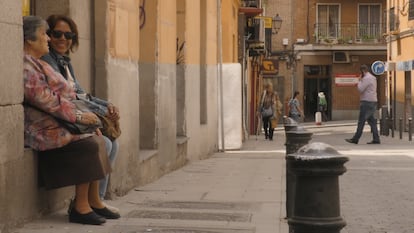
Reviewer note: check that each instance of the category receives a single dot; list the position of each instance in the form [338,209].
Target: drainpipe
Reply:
[220,72]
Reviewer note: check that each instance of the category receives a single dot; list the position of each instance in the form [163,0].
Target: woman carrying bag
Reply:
[268,110]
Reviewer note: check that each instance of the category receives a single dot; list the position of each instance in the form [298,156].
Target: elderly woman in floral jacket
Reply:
[64,158]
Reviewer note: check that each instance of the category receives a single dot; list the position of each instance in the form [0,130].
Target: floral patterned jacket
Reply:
[46,95]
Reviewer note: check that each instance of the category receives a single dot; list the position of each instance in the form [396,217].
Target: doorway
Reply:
[316,79]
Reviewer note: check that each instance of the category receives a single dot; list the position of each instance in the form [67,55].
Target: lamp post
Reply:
[276,24]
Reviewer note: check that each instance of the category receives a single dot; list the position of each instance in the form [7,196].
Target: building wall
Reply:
[133,68]
[399,51]
[201,78]
[308,53]
[116,79]
[20,197]
[229,13]
[285,33]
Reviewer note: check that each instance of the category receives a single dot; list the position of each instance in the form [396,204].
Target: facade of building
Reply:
[319,47]
[341,36]
[157,60]
[400,60]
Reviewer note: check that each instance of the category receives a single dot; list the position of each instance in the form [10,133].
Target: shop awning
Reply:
[250,11]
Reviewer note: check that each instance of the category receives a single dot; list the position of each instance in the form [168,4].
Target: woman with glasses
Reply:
[64,39]
[65,158]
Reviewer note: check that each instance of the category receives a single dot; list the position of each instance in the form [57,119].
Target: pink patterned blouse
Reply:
[48,91]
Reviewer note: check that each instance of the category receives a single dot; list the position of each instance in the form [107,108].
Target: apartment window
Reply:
[328,21]
[411,10]
[369,21]
[392,23]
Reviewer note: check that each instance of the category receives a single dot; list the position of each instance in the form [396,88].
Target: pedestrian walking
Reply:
[367,87]
[267,111]
[294,109]
[322,106]
[278,106]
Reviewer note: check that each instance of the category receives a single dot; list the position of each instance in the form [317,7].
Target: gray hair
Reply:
[30,25]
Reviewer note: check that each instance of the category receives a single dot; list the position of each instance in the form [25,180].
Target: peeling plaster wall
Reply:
[203,138]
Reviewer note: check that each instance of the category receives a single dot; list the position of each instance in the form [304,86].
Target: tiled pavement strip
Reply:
[244,191]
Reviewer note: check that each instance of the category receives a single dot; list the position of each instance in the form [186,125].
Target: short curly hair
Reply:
[30,25]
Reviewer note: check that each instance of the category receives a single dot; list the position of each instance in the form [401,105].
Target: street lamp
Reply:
[276,24]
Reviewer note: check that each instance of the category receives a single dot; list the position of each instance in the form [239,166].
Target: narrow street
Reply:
[243,191]
[377,190]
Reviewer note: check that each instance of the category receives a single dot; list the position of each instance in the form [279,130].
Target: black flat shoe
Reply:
[106,213]
[90,218]
[374,142]
[351,141]
[71,205]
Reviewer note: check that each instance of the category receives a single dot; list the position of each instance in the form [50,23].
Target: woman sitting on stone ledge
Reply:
[64,158]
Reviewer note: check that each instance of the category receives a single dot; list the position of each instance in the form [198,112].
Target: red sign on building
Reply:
[346,80]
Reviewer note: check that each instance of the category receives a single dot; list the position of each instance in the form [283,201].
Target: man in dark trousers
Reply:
[367,87]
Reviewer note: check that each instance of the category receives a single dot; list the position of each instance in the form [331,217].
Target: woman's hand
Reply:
[89,118]
[98,132]
[113,112]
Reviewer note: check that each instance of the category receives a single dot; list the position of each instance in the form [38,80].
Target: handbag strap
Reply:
[263,97]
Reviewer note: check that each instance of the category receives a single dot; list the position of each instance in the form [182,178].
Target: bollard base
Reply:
[316,225]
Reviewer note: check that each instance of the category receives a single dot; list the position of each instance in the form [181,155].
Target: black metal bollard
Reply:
[410,136]
[289,124]
[316,204]
[295,139]
[401,129]
[384,130]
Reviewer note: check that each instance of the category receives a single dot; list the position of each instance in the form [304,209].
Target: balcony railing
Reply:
[348,33]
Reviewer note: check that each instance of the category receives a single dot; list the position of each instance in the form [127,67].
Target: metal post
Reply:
[401,129]
[410,137]
[296,137]
[220,72]
[392,127]
[317,167]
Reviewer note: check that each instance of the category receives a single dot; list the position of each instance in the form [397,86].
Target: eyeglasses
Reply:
[58,34]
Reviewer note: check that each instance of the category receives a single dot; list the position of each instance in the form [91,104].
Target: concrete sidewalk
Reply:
[236,191]
[244,191]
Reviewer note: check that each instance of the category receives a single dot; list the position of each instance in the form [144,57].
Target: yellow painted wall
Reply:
[230,35]
[192,33]
[401,49]
[181,27]
[124,28]
[191,27]
[148,39]
[211,42]
[167,31]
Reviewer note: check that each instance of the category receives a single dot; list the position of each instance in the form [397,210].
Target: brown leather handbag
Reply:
[110,129]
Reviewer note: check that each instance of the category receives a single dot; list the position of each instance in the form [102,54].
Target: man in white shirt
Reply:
[367,87]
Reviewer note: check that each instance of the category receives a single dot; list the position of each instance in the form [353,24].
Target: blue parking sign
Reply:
[378,67]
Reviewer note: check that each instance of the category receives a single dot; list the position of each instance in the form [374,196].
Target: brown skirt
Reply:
[79,162]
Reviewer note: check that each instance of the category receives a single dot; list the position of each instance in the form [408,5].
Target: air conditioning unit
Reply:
[340,57]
